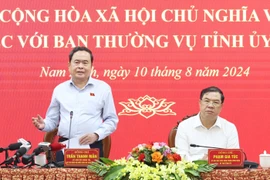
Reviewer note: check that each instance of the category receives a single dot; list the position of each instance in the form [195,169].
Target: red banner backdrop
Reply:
[156,55]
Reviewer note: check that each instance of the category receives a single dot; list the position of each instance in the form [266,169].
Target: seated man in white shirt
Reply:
[206,128]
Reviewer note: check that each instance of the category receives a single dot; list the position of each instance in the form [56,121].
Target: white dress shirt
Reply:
[93,109]
[223,134]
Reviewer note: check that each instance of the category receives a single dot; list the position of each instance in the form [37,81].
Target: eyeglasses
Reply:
[208,102]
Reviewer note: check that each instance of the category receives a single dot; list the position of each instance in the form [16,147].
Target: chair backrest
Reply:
[173,131]
[52,137]
[171,137]
[106,146]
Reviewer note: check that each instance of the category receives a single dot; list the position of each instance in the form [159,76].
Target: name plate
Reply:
[80,157]
[226,158]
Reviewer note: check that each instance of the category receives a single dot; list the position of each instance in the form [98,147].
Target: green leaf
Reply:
[106,161]
[114,172]
[176,177]
[98,167]
[199,162]
[192,172]
[162,149]
[206,167]
[148,158]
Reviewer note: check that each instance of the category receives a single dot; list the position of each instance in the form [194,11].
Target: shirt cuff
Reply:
[97,136]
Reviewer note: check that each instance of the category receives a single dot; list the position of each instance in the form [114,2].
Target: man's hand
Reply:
[88,139]
[38,122]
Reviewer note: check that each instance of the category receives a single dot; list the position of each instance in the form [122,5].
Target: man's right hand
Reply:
[38,122]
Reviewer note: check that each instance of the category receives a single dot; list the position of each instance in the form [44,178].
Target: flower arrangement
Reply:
[154,153]
[154,161]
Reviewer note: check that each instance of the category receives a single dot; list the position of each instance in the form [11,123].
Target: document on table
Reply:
[74,144]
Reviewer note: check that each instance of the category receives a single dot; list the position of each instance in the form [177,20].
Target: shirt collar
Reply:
[198,122]
[89,82]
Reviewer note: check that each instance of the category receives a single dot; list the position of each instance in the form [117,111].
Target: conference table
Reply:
[84,174]
[238,174]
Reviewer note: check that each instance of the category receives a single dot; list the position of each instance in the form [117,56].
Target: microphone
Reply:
[20,152]
[57,146]
[23,141]
[211,147]
[11,147]
[45,146]
[26,159]
[14,146]
[53,147]
[42,147]
[71,114]
[70,123]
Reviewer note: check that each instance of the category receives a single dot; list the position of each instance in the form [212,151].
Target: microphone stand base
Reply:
[5,166]
[30,165]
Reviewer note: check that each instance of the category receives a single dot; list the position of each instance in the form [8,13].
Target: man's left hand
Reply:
[88,139]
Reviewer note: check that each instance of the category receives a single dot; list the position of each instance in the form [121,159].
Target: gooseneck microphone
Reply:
[211,147]
[69,131]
